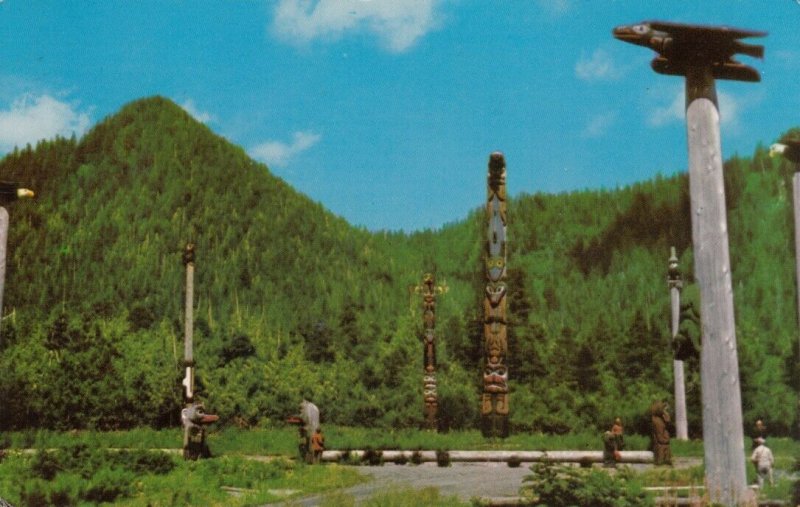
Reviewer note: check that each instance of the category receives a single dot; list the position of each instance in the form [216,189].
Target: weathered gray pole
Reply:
[701,54]
[9,192]
[3,247]
[675,284]
[796,202]
[723,437]
[789,147]
[188,358]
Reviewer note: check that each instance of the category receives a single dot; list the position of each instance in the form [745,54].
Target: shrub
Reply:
[345,457]
[562,486]
[46,465]
[143,462]
[514,462]
[108,484]
[416,457]
[442,458]
[373,457]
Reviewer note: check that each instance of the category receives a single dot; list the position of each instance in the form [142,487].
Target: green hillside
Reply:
[292,300]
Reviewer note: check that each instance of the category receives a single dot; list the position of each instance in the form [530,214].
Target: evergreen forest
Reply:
[292,301]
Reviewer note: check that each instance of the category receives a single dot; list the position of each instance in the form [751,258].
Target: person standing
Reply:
[613,444]
[317,445]
[763,460]
[759,431]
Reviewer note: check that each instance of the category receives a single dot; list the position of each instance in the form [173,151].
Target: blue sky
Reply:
[385,111]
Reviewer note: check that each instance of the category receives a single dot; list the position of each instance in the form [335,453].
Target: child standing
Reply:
[763,461]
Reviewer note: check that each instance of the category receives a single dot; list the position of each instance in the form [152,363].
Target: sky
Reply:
[386,111]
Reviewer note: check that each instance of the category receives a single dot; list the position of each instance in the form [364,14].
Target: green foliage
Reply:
[141,478]
[290,299]
[372,457]
[561,486]
[395,497]
[442,458]
[80,473]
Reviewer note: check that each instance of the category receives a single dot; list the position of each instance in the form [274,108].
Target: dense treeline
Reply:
[291,300]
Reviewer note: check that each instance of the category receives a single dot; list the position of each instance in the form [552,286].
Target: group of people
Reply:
[613,443]
[311,441]
[762,457]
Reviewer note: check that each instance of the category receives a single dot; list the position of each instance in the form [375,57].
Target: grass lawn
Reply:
[73,468]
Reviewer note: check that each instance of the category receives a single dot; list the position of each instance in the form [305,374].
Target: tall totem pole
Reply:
[675,284]
[789,147]
[702,54]
[193,417]
[429,290]
[494,401]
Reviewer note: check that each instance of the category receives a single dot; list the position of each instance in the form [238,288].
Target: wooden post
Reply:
[494,400]
[675,283]
[723,436]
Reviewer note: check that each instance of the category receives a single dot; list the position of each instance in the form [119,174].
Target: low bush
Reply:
[442,458]
[563,486]
[372,457]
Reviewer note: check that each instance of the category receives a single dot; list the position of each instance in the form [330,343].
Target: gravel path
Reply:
[466,480]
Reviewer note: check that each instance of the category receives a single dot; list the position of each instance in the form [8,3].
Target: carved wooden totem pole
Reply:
[494,402]
[429,289]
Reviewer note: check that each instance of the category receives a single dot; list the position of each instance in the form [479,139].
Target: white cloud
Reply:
[555,8]
[674,111]
[598,125]
[729,106]
[279,153]
[599,66]
[398,23]
[201,116]
[32,118]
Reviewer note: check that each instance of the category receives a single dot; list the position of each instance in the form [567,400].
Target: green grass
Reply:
[80,476]
[203,482]
[395,497]
[283,441]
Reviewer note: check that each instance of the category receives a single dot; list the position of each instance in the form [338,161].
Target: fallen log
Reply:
[426,456]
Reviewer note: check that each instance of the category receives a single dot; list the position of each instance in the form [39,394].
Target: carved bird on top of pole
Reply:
[11,191]
[789,147]
[680,46]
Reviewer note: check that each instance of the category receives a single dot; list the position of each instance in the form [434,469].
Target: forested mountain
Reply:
[292,300]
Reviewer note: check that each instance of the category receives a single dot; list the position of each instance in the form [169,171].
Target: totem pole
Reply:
[789,147]
[429,290]
[494,401]
[9,192]
[703,54]
[675,284]
[193,416]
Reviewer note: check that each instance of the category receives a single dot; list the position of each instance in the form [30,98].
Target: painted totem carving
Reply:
[494,400]
[429,290]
